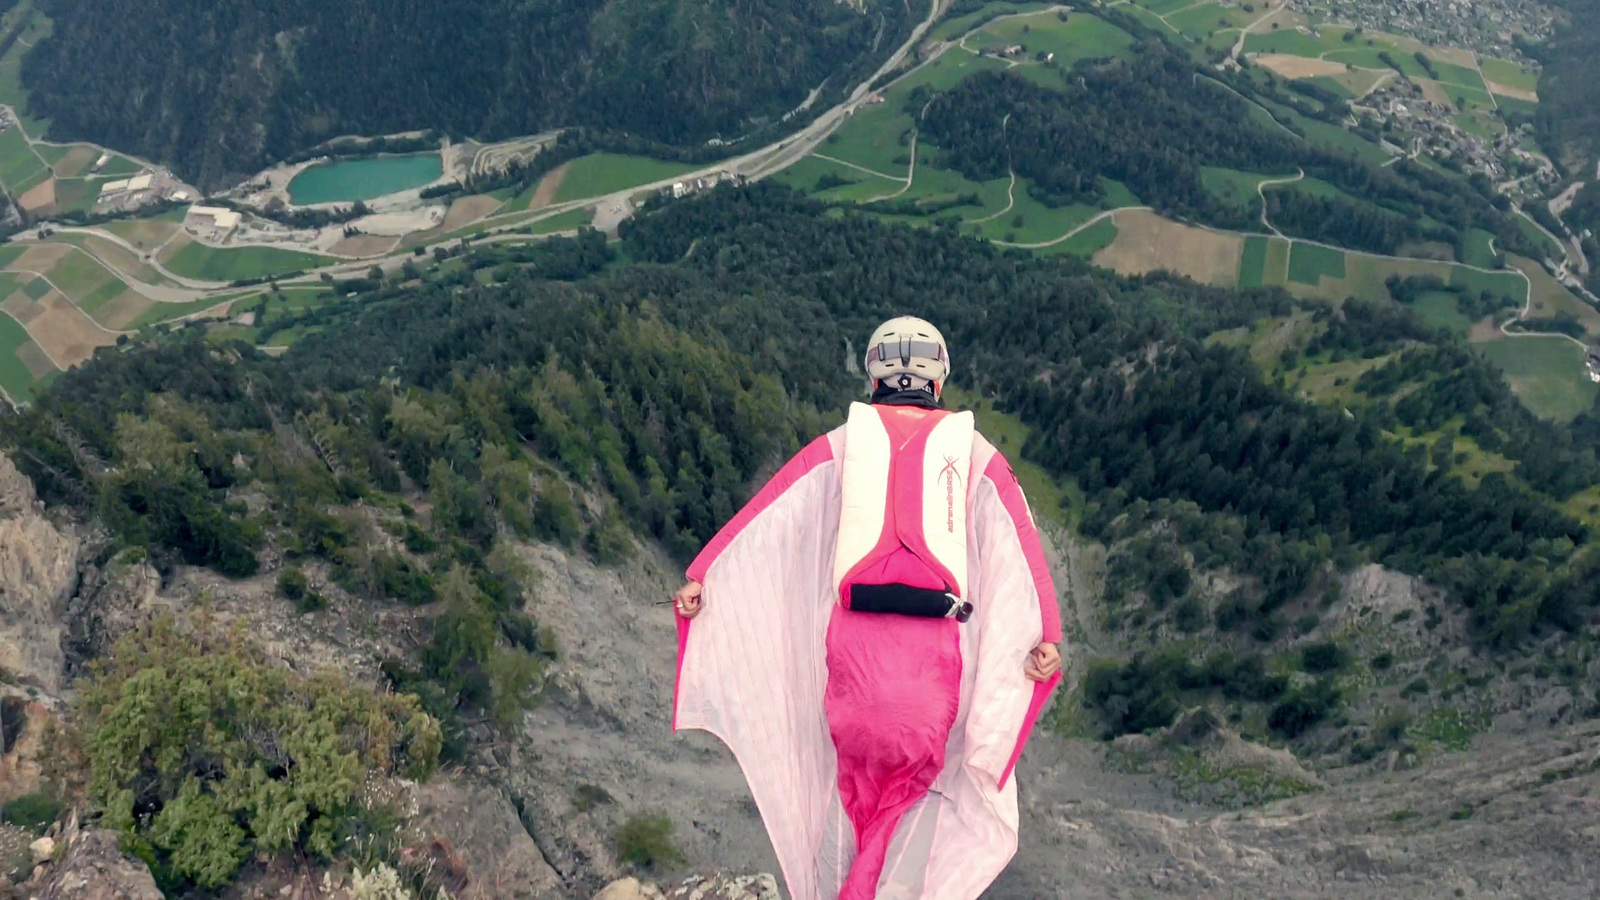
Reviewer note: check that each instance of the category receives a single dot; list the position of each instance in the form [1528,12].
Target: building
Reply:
[140,182]
[220,220]
[113,187]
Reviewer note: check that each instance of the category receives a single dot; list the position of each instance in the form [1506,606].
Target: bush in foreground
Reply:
[202,752]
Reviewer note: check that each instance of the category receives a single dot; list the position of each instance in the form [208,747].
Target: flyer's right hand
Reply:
[687,600]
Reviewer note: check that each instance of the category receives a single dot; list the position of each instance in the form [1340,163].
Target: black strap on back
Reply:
[905,600]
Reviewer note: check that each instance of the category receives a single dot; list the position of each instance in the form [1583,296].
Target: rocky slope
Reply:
[1516,815]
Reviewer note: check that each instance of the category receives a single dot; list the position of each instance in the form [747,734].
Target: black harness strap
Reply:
[905,600]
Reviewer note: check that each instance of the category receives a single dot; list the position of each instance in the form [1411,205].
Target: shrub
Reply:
[292,584]
[1382,662]
[646,840]
[1324,657]
[1303,708]
[201,752]
[33,811]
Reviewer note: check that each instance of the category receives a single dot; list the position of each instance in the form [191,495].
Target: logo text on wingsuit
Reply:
[949,475]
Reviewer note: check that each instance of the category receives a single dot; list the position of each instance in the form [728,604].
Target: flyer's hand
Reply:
[687,600]
[1043,663]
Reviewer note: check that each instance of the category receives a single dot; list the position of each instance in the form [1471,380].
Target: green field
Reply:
[19,165]
[163,312]
[14,375]
[1082,36]
[1253,262]
[1512,106]
[1547,373]
[1232,186]
[1200,21]
[76,193]
[36,288]
[1450,73]
[950,29]
[1117,194]
[1287,41]
[1324,134]
[229,264]
[1440,309]
[1333,85]
[12,92]
[606,173]
[78,275]
[1308,263]
[1509,74]
[1087,242]
[100,296]
[567,221]
[1537,236]
[1039,222]
[1479,250]
[1466,98]
[1162,7]
[1508,284]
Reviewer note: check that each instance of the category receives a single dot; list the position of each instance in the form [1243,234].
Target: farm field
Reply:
[950,29]
[199,261]
[1479,249]
[1545,372]
[22,363]
[1082,36]
[1440,309]
[1086,242]
[1550,298]
[606,173]
[20,167]
[1232,186]
[1145,242]
[1509,74]
[567,221]
[1310,263]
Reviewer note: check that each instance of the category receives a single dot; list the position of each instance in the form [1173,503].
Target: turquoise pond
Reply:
[363,179]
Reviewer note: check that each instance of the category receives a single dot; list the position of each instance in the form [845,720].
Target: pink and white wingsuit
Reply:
[878,748]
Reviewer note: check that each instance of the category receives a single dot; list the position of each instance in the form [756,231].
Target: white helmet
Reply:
[910,354]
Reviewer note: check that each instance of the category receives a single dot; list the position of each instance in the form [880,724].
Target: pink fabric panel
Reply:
[1005,483]
[893,692]
[901,566]
[815,453]
[1041,694]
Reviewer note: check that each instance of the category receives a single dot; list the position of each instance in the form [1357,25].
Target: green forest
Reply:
[1569,88]
[221,89]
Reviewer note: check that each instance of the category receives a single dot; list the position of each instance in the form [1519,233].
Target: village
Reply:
[1489,27]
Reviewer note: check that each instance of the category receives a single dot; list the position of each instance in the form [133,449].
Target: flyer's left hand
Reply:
[1043,663]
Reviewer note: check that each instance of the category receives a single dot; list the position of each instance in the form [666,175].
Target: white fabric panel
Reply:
[754,669]
[946,474]
[867,454]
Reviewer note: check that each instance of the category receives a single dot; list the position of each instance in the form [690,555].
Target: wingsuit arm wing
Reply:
[750,665]
[1019,611]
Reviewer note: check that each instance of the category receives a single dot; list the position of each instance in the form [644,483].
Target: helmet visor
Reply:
[904,351]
